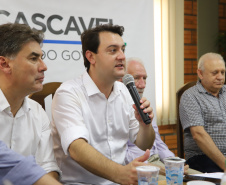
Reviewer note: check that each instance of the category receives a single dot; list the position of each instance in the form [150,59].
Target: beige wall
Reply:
[179,42]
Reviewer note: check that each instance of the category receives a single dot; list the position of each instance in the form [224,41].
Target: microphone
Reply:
[128,80]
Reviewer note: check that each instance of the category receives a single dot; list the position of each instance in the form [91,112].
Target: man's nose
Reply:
[121,55]
[221,76]
[141,83]
[42,66]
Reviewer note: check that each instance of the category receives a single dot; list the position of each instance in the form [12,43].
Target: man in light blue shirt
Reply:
[20,170]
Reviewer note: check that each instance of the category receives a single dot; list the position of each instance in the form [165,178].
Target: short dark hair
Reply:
[90,39]
[13,36]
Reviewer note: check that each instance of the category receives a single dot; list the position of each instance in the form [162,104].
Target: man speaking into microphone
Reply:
[94,116]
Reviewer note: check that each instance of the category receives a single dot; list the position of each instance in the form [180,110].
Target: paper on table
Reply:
[217,175]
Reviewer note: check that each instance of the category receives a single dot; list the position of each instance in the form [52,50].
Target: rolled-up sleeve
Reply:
[44,153]
[68,136]
[68,118]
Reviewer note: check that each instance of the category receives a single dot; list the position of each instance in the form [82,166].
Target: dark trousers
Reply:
[203,164]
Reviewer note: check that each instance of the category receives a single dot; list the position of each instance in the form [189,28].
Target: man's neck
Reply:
[15,101]
[104,85]
[213,92]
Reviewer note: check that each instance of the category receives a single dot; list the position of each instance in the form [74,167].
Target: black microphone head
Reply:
[127,79]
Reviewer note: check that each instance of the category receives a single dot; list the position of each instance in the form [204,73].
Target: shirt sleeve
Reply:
[66,109]
[162,148]
[159,147]
[190,110]
[133,129]
[17,169]
[44,155]
[132,152]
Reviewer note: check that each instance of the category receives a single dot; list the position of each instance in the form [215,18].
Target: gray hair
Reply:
[14,36]
[128,60]
[208,56]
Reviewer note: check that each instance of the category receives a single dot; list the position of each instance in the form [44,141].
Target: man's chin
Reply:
[119,77]
[37,88]
[219,86]
[141,95]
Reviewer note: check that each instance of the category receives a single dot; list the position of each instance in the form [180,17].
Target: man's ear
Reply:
[200,74]
[4,65]
[90,57]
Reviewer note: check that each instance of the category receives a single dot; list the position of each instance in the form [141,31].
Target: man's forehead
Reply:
[134,66]
[109,38]
[31,47]
[214,63]
[213,68]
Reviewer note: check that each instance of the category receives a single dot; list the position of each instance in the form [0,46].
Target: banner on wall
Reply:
[64,21]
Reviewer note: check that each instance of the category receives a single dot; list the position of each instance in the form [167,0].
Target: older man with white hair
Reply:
[203,116]
[135,67]
[159,151]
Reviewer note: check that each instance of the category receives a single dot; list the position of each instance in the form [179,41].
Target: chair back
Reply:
[48,88]
[180,132]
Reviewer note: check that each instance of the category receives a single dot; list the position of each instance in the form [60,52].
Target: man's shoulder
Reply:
[123,90]
[224,88]
[71,85]
[120,85]
[192,91]
[36,108]
[191,95]
[71,90]
[34,105]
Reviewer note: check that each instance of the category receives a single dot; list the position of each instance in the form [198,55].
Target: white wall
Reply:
[65,20]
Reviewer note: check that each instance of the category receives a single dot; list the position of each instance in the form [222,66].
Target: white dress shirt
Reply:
[28,133]
[80,110]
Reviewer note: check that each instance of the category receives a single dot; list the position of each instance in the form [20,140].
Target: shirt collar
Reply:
[92,89]
[89,85]
[201,89]
[115,91]
[4,104]
[26,105]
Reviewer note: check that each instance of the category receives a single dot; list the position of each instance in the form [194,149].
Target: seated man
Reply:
[159,151]
[19,170]
[203,116]
[94,117]
[25,127]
